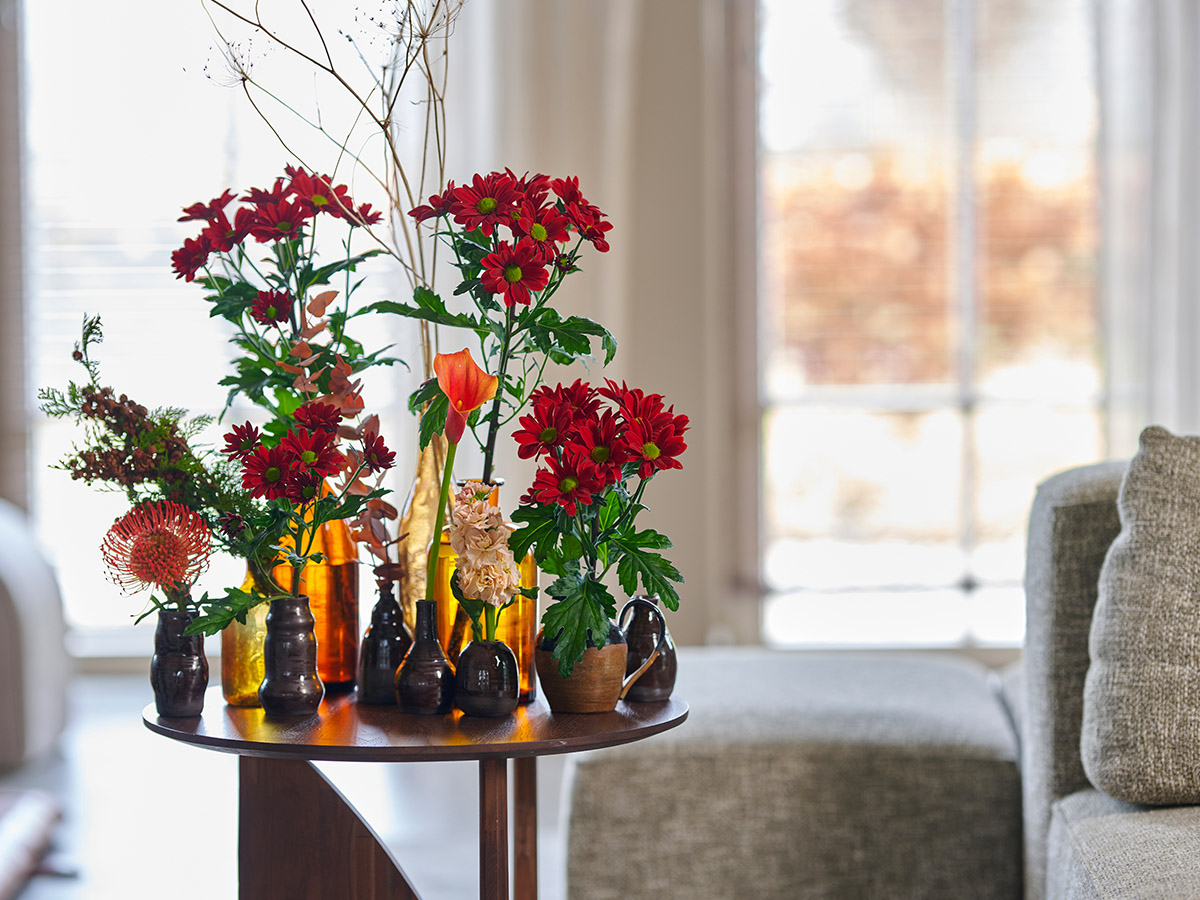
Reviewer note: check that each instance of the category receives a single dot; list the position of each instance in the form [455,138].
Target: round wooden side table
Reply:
[298,837]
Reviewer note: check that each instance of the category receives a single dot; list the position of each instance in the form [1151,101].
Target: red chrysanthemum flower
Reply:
[276,221]
[222,236]
[376,455]
[590,224]
[162,544]
[190,258]
[241,442]
[487,203]
[600,440]
[364,215]
[568,190]
[318,416]
[533,189]
[304,487]
[544,227]
[655,444]
[311,452]
[265,473]
[318,194]
[569,482]
[548,427]
[206,211]
[635,405]
[439,205]
[271,307]
[259,197]
[514,272]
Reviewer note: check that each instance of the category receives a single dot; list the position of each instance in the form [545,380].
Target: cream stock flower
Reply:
[494,584]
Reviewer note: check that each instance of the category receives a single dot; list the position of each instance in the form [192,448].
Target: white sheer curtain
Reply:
[1150,151]
[651,103]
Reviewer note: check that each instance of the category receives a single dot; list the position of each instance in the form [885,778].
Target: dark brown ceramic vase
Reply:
[487,683]
[178,668]
[383,647]
[641,635]
[290,684]
[425,679]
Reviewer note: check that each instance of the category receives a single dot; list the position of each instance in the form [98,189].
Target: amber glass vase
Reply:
[517,626]
[332,589]
[242,654]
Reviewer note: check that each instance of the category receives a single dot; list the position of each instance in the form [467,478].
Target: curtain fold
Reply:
[652,105]
[1150,262]
[14,417]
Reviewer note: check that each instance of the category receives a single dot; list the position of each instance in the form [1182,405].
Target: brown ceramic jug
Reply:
[641,636]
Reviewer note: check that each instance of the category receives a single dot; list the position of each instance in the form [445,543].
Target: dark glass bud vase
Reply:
[290,684]
[425,680]
[487,680]
[383,647]
[178,669]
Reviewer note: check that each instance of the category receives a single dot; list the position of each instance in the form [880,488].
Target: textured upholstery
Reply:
[1101,848]
[33,663]
[807,775]
[1072,524]
[1141,701]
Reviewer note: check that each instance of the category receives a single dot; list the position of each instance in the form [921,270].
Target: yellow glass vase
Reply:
[242,654]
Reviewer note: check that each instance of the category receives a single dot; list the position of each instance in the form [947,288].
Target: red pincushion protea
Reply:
[162,544]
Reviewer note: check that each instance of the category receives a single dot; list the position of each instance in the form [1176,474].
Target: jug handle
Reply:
[662,639]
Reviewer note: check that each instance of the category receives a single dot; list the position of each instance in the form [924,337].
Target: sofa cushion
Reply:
[1141,703]
[1105,849]
[807,775]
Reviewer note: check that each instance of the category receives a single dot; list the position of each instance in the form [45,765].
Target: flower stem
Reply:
[494,417]
[435,547]
[490,616]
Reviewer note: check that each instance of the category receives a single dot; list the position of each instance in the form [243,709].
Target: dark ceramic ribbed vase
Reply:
[383,647]
[178,669]
[425,680]
[487,682]
[290,684]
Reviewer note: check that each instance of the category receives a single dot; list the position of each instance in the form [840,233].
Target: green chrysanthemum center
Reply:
[567,485]
[512,274]
[650,450]
[285,227]
[318,200]
[600,454]
[547,434]
[486,205]
[272,474]
[538,231]
[308,457]
[272,311]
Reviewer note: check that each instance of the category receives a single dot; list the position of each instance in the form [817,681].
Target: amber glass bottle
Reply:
[242,654]
[516,628]
[332,589]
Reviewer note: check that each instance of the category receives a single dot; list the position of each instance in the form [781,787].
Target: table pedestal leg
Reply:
[493,829]
[525,827]
[298,837]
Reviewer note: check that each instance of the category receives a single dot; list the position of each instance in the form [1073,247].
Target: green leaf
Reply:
[219,612]
[581,613]
[422,395]
[540,532]
[655,572]
[430,308]
[434,420]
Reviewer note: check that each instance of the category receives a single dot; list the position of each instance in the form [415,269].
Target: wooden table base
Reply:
[300,838]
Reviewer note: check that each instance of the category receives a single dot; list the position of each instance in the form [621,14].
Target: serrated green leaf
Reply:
[582,612]
[422,395]
[540,532]
[433,421]
[655,572]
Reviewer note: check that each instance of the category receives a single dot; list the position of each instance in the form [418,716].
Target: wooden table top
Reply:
[344,730]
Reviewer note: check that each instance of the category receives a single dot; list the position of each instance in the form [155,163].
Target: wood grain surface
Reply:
[344,730]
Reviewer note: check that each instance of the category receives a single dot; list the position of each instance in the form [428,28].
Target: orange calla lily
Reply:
[467,387]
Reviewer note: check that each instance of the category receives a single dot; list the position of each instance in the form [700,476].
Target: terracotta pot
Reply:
[487,679]
[178,669]
[290,684]
[594,684]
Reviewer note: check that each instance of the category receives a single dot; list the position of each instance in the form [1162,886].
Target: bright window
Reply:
[929,322]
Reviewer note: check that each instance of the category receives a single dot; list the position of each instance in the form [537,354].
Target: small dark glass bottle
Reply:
[384,644]
[425,680]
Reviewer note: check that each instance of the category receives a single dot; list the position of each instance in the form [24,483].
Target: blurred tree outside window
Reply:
[928,309]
